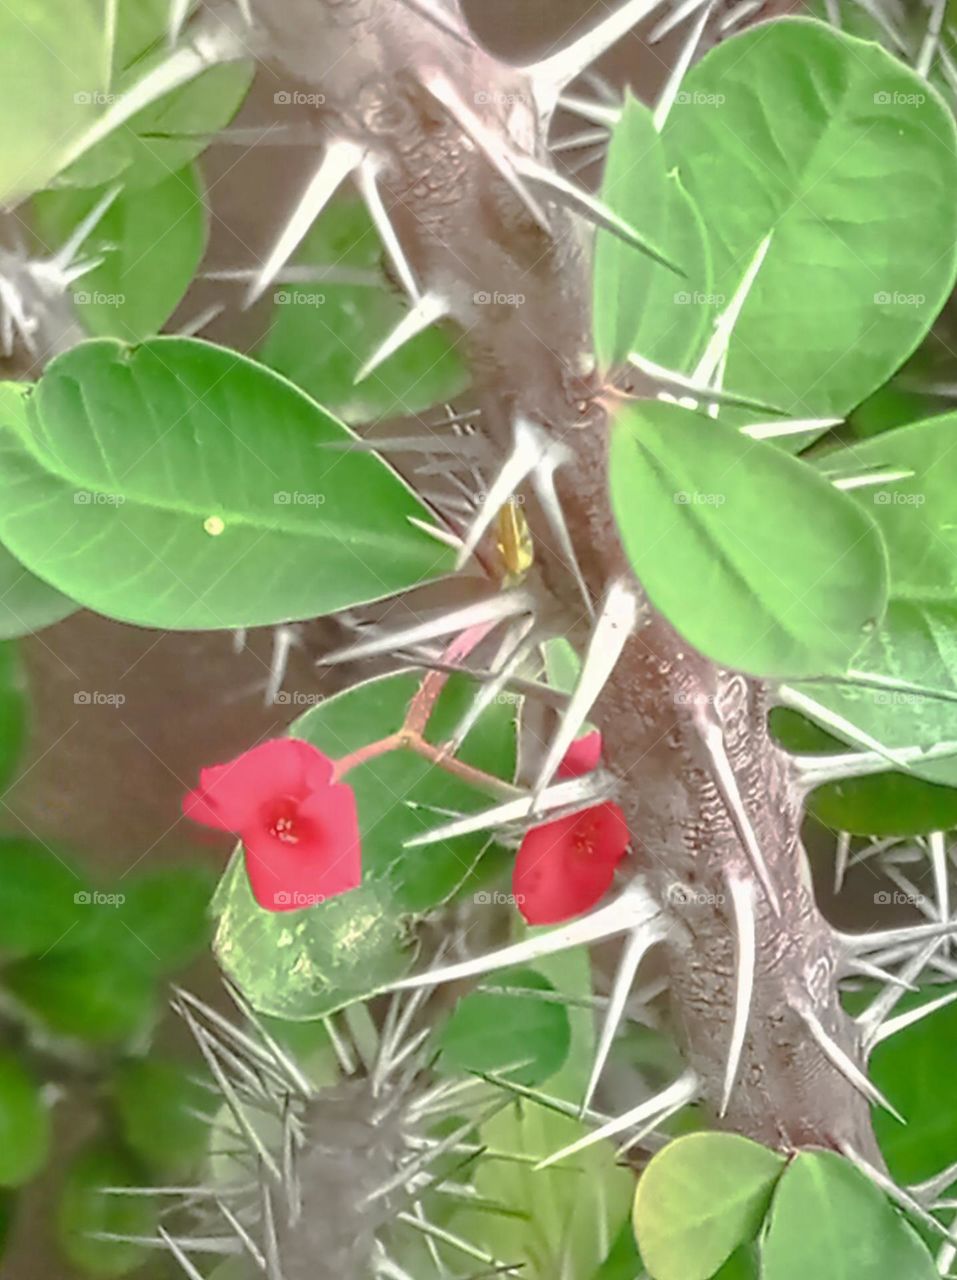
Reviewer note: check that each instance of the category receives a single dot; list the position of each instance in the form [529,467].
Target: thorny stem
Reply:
[469,233]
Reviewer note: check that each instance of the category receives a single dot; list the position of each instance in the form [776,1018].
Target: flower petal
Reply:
[229,795]
[582,756]
[565,867]
[325,861]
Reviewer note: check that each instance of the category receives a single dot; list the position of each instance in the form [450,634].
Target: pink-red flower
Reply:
[299,827]
[565,867]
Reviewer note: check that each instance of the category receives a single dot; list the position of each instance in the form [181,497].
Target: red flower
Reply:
[564,867]
[299,827]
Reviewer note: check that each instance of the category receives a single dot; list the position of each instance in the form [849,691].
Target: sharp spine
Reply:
[742,895]
[429,309]
[840,1060]
[616,623]
[341,159]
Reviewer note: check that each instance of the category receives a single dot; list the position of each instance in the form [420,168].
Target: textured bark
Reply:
[469,236]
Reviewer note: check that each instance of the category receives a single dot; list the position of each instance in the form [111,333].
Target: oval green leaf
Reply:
[699,1200]
[53,75]
[523,1037]
[24,1124]
[639,304]
[848,160]
[757,560]
[828,1220]
[179,485]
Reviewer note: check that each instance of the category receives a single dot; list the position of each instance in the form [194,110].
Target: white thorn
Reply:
[934,1188]
[530,445]
[717,348]
[209,49]
[797,427]
[680,69]
[841,859]
[928,48]
[429,308]
[185,1262]
[937,848]
[673,19]
[891,1026]
[591,207]
[635,948]
[543,482]
[178,13]
[440,535]
[633,909]
[848,484]
[520,650]
[712,735]
[676,1095]
[284,639]
[870,1021]
[743,904]
[553,74]
[840,1060]
[868,970]
[62,260]
[597,112]
[844,728]
[880,939]
[367,179]
[494,609]
[487,141]
[341,159]
[575,794]
[699,391]
[740,13]
[251,1247]
[616,622]
[891,1189]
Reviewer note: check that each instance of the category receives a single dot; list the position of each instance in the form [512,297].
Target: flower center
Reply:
[282,820]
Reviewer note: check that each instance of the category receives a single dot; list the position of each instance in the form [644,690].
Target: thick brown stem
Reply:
[471,238]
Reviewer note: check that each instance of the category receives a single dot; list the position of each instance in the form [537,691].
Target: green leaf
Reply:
[847,159]
[912,1065]
[53,71]
[13,711]
[567,1213]
[151,243]
[639,304]
[701,1198]
[299,964]
[321,335]
[915,645]
[623,1261]
[85,1211]
[179,485]
[27,604]
[24,1124]
[915,515]
[157,1102]
[829,1221]
[41,895]
[165,916]
[488,1032]
[758,561]
[167,135]
[87,989]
